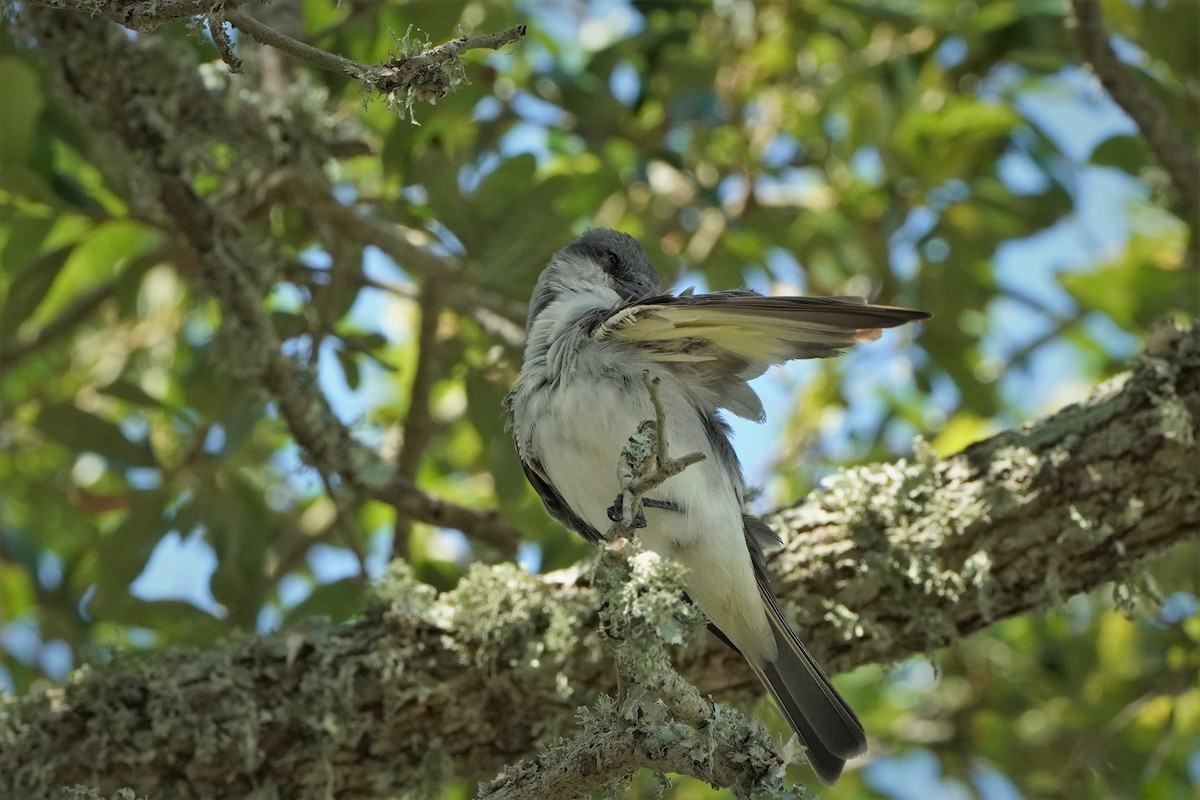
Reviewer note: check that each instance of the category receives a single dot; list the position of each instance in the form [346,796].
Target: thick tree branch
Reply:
[657,720]
[885,562]
[1172,150]
[141,15]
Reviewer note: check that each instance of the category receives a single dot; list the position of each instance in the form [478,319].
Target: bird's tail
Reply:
[823,720]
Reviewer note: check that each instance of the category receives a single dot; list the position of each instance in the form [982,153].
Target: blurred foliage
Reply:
[943,154]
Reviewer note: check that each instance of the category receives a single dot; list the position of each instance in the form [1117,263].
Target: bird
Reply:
[598,323]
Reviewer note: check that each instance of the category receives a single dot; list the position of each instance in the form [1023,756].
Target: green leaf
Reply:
[83,432]
[349,364]
[1128,153]
[130,392]
[104,253]
[177,621]
[29,288]
[952,141]
[240,528]
[123,554]
[17,594]
[439,175]
[23,103]
[504,184]
[1169,32]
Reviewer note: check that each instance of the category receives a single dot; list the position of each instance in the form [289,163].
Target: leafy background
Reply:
[948,155]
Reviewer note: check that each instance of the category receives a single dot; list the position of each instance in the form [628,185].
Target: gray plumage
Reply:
[597,320]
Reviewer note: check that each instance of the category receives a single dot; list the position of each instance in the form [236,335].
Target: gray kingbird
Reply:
[597,320]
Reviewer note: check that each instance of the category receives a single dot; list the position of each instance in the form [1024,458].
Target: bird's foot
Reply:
[628,513]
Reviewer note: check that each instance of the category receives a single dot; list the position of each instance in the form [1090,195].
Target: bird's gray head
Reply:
[599,262]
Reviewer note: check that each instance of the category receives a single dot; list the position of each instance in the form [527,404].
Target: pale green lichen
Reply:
[640,447]
[81,792]
[401,593]
[643,598]
[497,612]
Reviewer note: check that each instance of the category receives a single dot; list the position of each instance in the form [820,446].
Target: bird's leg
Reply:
[644,464]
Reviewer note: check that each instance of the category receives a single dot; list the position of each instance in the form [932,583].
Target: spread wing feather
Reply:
[726,338]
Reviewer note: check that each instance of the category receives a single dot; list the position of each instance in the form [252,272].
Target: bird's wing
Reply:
[727,338]
[556,504]
[747,327]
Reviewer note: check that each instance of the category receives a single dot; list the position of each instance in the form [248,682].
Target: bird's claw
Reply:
[617,512]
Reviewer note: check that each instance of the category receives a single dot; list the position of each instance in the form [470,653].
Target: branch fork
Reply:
[644,465]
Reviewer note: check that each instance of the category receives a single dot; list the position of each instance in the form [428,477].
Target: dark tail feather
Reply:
[824,721]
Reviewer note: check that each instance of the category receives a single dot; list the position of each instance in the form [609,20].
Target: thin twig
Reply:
[264,34]
[1170,146]
[408,69]
[484,525]
[344,503]
[399,74]
[216,29]
[640,471]
[418,424]
[398,243]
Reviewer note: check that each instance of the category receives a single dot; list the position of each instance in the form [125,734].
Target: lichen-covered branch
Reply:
[141,15]
[657,720]
[1019,521]
[885,562]
[233,267]
[644,465]
[1176,155]
[428,75]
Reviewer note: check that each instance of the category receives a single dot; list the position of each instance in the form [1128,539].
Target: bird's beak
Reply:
[629,289]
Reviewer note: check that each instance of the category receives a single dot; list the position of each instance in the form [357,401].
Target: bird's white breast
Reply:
[577,428]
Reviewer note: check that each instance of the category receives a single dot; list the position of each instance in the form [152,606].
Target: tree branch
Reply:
[429,75]
[233,268]
[418,423]
[904,558]
[141,15]
[264,34]
[398,243]
[657,720]
[1172,150]
[644,465]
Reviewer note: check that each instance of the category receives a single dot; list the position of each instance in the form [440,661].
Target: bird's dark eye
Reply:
[612,262]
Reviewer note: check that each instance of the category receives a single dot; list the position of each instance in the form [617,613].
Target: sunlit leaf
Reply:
[28,288]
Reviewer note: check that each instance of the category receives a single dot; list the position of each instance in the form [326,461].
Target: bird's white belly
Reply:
[578,437]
